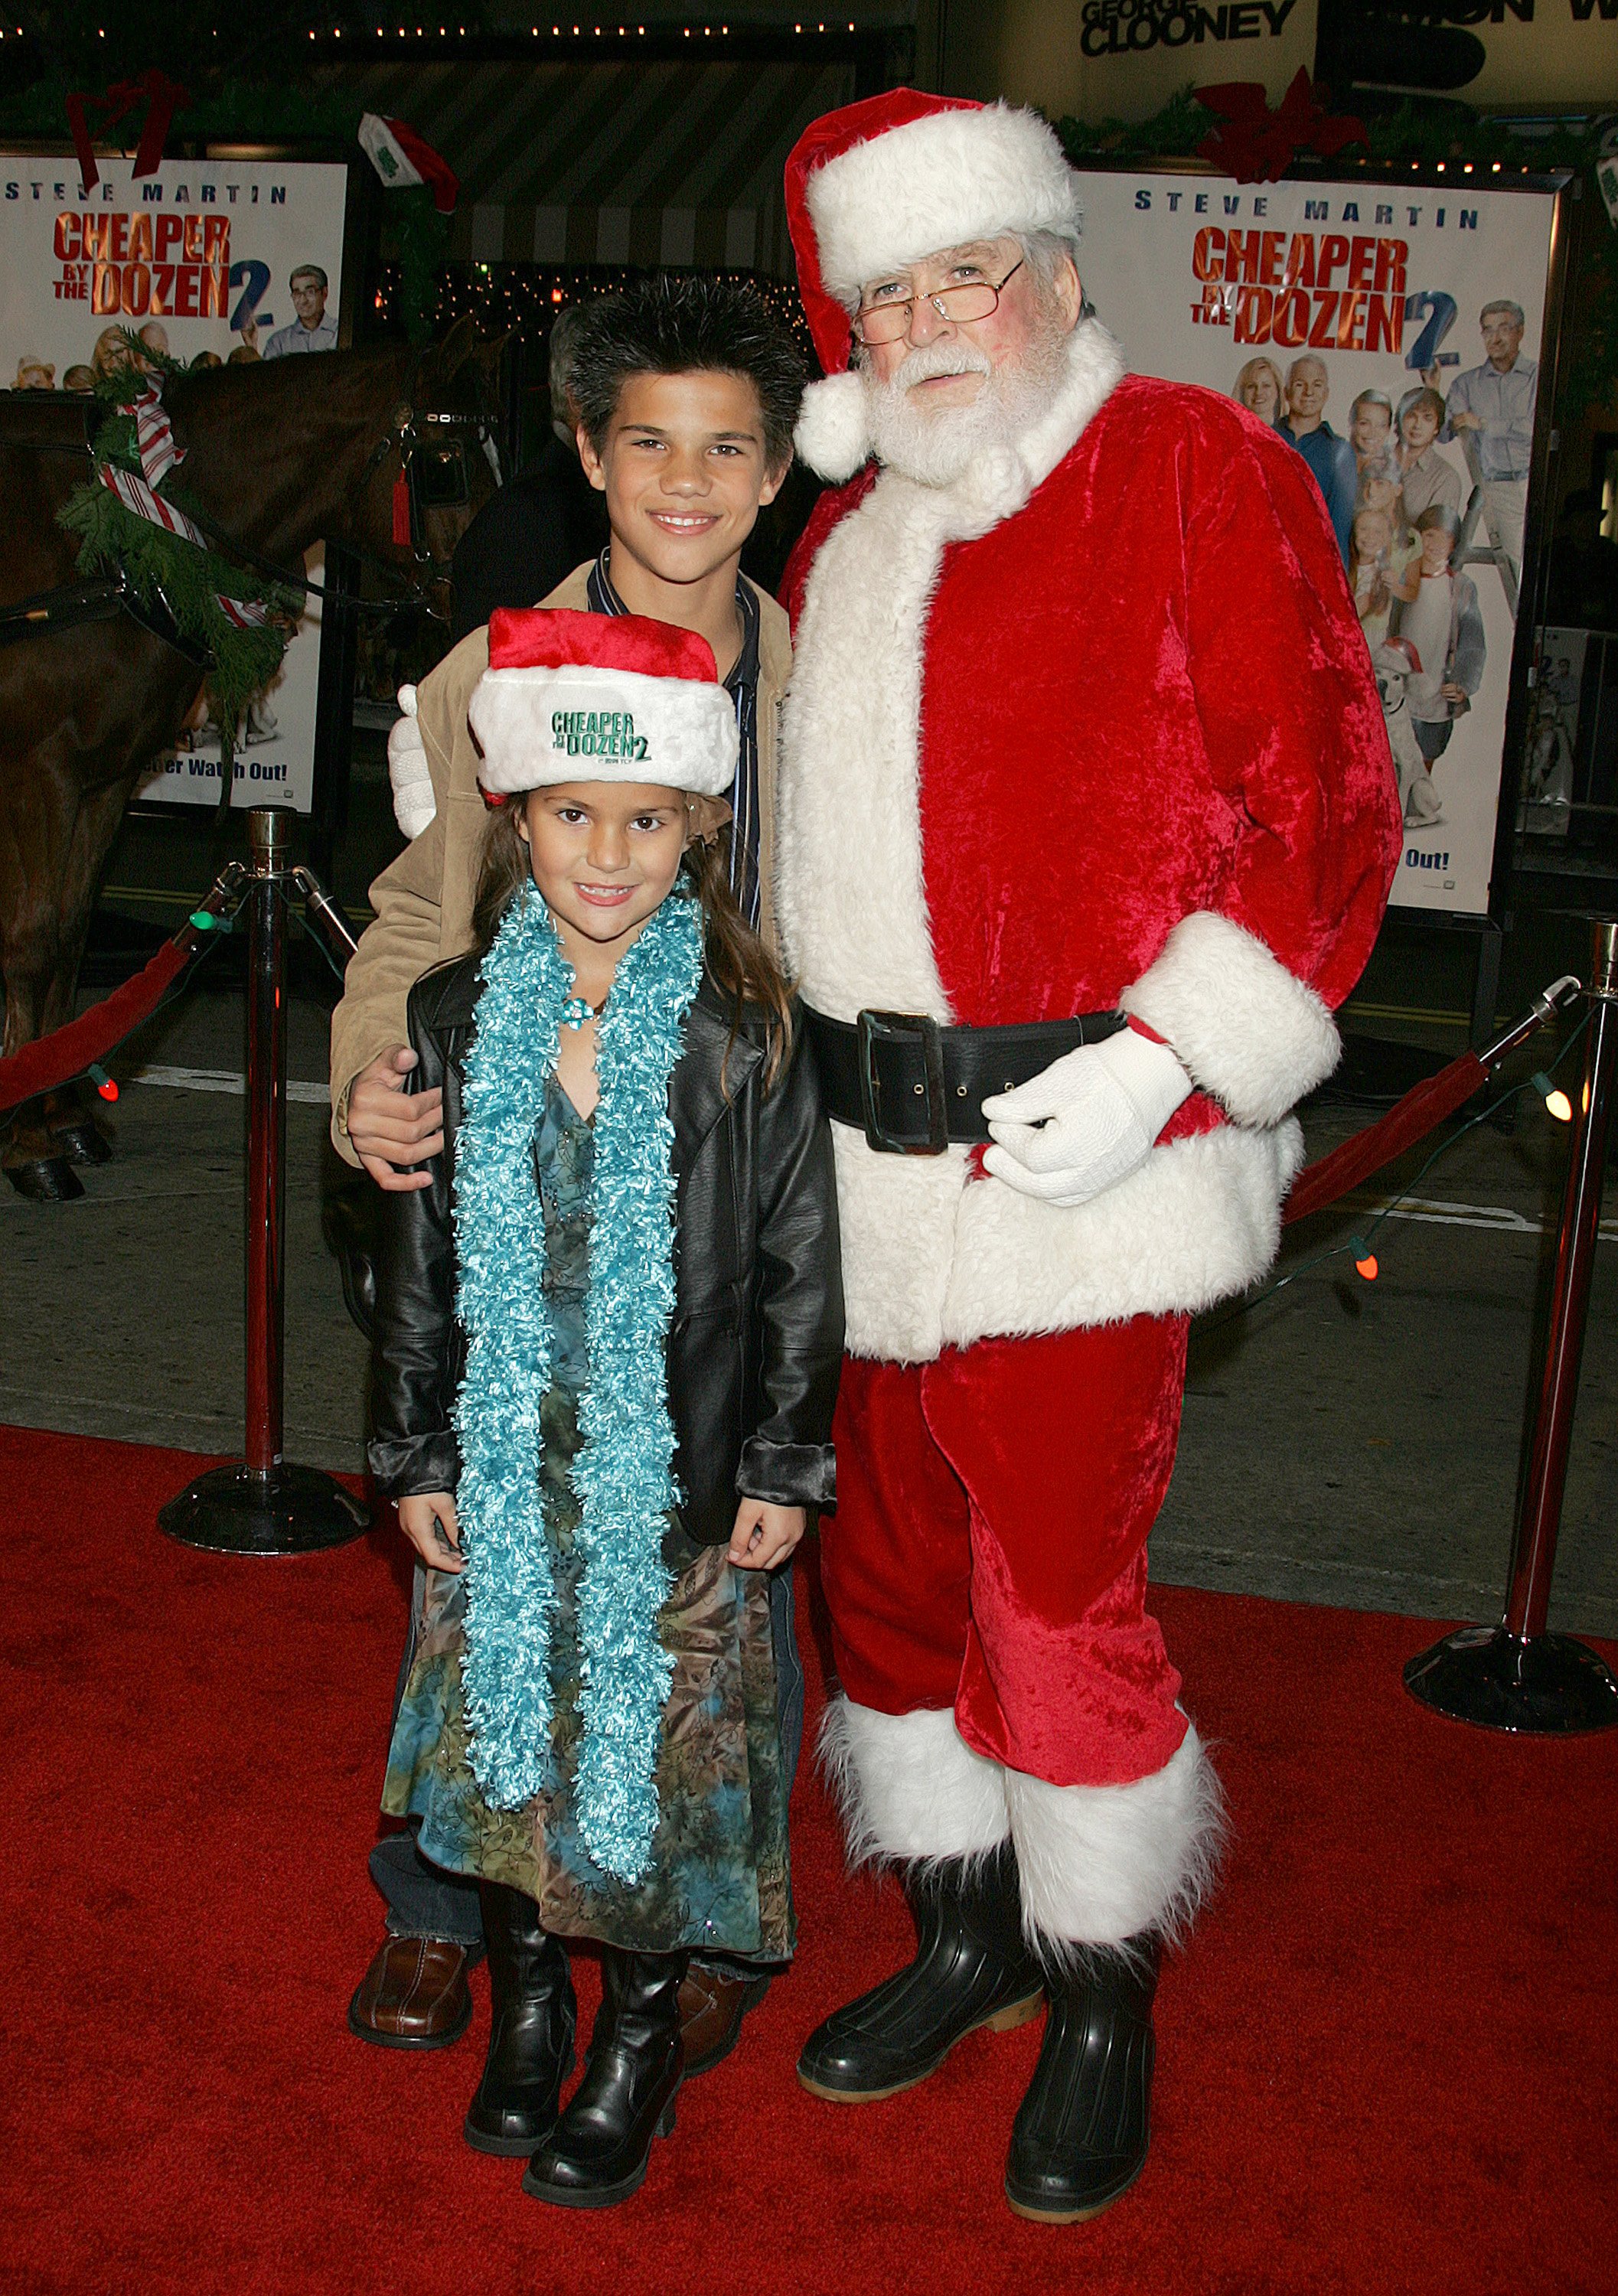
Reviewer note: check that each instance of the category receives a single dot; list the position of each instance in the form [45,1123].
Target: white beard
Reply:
[937,448]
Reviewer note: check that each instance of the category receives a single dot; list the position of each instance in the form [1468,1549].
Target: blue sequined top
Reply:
[564,1153]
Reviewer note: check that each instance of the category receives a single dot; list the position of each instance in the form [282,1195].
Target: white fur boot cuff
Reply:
[909,1785]
[1101,1864]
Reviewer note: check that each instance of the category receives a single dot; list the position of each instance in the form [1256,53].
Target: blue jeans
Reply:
[425,1901]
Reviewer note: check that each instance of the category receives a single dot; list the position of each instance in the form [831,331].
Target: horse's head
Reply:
[437,465]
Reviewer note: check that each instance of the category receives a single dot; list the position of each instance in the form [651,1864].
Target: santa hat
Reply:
[570,697]
[881,183]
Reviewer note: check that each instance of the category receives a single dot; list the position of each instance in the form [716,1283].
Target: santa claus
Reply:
[1088,822]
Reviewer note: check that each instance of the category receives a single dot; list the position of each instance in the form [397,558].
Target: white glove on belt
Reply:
[414,804]
[1086,1122]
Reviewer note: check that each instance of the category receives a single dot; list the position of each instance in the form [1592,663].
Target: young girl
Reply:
[1367,569]
[615,1308]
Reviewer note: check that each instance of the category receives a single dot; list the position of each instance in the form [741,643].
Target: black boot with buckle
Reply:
[597,2152]
[531,2037]
[971,1969]
[1081,2135]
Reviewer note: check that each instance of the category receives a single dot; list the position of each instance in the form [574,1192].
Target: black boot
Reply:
[597,2152]
[971,1969]
[1080,2138]
[531,2037]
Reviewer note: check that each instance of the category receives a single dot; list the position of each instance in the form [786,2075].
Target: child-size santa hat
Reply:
[570,697]
[884,183]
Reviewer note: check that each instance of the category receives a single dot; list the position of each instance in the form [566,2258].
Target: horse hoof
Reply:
[81,1144]
[46,1180]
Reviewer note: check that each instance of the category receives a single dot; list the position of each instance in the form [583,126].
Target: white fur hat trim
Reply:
[580,723]
[937,183]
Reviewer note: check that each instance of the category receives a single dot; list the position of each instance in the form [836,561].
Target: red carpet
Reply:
[1385,2065]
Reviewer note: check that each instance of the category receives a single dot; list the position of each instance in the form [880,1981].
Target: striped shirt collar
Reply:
[603,599]
[742,687]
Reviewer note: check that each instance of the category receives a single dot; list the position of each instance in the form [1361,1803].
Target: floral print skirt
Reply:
[719,1880]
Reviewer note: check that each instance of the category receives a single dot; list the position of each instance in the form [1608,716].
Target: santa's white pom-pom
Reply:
[834,433]
[415,806]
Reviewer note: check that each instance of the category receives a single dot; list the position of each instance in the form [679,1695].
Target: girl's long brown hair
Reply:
[739,964]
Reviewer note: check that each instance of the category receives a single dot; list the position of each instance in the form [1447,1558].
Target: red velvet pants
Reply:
[988,1550]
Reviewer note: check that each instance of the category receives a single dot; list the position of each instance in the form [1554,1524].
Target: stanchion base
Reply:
[289,1511]
[1548,1685]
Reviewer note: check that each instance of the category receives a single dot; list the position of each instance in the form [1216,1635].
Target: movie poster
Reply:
[1394,335]
[208,261]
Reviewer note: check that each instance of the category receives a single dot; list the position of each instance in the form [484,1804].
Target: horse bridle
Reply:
[72,603]
[402,437]
[446,448]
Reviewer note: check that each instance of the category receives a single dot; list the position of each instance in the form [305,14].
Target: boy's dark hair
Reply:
[685,322]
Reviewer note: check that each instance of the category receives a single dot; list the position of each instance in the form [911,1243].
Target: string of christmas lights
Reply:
[333,33]
[1366,1263]
[525,298]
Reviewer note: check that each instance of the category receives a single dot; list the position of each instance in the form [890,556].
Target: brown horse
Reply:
[279,456]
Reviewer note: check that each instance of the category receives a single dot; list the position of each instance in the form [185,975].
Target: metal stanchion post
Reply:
[324,919]
[1515,1676]
[268,839]
[264,1505]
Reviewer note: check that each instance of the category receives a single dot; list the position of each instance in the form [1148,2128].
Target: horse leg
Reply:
[70,1113]
[32,867]
[32,1162]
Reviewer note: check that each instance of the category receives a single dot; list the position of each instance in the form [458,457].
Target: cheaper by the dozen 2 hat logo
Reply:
[1123,28]
[596,734]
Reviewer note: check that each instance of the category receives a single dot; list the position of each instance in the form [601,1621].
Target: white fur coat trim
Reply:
[931,1259]
[934,183]
[1249,1030]
[909,1785]
[1100,1865]
[1200,1221]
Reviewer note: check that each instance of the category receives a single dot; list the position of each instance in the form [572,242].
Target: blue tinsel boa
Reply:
[622,1475]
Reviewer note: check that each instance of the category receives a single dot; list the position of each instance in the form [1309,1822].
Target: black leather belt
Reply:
[912,1087]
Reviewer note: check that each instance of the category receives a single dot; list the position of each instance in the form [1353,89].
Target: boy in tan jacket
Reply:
[686,392]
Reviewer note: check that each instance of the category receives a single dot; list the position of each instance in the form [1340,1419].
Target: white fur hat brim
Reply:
[937,183]
[580,723]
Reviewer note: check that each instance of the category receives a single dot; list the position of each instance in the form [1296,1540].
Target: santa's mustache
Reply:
[931,359]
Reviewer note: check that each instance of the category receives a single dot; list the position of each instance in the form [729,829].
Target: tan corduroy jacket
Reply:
[424,900]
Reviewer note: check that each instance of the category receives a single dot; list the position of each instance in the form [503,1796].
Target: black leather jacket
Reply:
[756,1338]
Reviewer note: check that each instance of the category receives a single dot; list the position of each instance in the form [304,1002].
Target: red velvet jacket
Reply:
[1096,727]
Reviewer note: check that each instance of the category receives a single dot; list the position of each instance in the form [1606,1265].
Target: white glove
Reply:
[1086,1122]
[414,802]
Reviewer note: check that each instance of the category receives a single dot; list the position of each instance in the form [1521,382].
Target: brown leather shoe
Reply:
[414,1994]
[711,2009]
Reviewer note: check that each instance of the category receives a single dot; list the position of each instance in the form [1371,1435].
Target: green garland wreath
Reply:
[168,574]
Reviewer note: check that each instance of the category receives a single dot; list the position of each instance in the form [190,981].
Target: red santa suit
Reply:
[1092,728]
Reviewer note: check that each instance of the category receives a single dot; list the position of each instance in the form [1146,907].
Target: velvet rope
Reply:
[1410,1120]
[67,1052]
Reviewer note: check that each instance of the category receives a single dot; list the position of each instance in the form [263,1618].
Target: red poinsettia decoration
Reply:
[1256,144]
